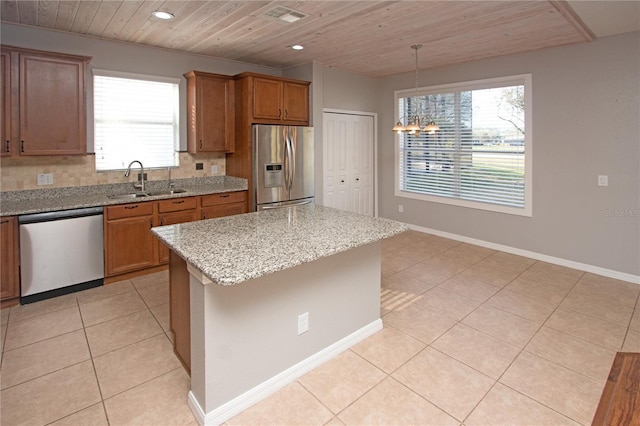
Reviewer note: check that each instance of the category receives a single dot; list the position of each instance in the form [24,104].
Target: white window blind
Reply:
[479,157]
[135,118]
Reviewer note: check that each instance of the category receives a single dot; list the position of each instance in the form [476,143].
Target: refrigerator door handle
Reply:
[286,204]
[287,159]
[292,162]
[290,166]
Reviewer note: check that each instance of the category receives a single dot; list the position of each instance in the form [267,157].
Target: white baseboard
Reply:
[252,396]
[635,279]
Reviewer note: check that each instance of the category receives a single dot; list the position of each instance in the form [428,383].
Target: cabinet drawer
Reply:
[223,210]
[176,204]
[224,198]
[129,210]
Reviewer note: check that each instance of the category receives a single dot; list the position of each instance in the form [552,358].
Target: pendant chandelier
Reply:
[414,126]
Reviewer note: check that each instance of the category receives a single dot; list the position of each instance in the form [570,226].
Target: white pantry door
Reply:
[348,154]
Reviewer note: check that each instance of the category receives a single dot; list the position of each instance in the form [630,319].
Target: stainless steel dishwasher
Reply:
[60,252]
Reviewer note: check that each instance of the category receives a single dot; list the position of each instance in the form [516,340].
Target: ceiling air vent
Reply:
[285,14]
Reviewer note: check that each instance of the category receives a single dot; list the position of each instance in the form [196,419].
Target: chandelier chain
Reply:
[416,47]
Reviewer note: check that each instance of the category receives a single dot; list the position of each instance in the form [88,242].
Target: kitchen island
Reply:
[271,295]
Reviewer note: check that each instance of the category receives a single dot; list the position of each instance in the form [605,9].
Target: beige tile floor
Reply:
[471,336]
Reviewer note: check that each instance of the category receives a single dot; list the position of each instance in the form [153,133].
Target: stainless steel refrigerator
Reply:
[282,166]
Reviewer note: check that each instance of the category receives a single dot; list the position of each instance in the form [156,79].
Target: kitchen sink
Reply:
[134,195]
[168,192]
[128,196]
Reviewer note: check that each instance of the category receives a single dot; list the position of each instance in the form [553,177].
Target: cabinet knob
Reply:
[178,202]
[131,207]
[279,112]
[7,146]
[200,143]
[286,113]
[21,146]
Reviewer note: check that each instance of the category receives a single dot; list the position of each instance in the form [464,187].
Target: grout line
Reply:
[633,312]
[93,364]
[516,357]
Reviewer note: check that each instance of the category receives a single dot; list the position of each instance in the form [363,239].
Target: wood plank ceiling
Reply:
[365,37]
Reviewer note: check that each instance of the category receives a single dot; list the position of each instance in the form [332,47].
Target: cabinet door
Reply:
[180,309]
[172,219]
[267,99]
[129,245]
[52,106]
[210,100]
[296,102]
[5,99]
[9,277]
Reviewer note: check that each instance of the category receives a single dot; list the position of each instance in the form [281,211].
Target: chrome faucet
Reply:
[171,184]
[139,185]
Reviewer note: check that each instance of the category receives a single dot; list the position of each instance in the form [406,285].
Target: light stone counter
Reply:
[14,203]
[234,249]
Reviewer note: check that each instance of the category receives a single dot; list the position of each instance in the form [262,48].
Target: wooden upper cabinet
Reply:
[5,99]
[46,103]
[267,99]
[295,101]
[274,100]
[211,112]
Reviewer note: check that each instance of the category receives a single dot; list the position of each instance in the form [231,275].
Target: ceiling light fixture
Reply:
[167,16]
[414,127]
[297,47]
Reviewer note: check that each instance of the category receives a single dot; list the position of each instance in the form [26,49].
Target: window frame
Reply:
[147,78]
[521,79]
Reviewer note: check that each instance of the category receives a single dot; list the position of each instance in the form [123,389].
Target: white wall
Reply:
[126,57]
[586,114]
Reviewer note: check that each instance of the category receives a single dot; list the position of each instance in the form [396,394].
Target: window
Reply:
[481,157]
[135,118]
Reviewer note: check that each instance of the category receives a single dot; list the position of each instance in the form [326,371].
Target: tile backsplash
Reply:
[21,173]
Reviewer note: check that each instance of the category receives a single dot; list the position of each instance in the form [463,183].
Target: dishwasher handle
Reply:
[59,215]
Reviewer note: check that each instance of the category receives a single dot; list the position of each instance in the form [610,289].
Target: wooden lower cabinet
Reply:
[129,244]
[9,269]
[131,248]
[172,212]
[220,205]
[180,310]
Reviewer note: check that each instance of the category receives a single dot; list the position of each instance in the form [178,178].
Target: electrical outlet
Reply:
[400,208]
[45,179]
[199,166]
[214,169]
[303,323]
[603,180]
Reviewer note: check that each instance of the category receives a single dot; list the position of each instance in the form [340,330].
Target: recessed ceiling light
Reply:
[163,15]
[297,47]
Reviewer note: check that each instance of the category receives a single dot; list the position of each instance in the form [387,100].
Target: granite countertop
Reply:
[234,249]
[15,203]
